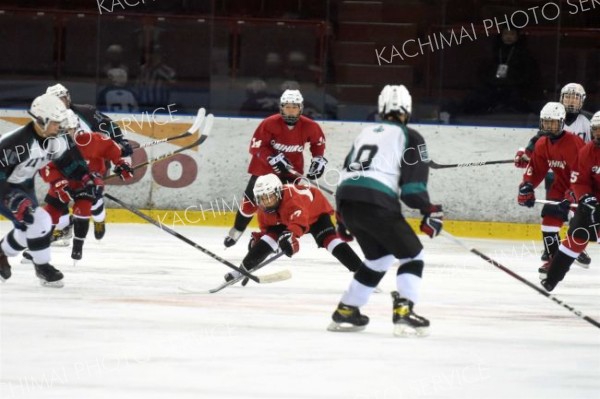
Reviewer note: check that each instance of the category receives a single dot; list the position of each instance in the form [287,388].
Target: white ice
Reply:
[121,328]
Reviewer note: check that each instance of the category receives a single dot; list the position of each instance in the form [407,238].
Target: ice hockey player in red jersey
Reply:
[96,149]
[556,150]
[286,212]
[585,225]
[572,97]
[277,146]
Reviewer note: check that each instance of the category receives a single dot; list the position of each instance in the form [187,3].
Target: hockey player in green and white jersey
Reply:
[387,163]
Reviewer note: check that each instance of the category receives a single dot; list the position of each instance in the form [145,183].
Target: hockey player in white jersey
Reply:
[572,97]
[387,163]
[24,152]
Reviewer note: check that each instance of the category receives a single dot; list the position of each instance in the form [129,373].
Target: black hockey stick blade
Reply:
[434,165]
[182,238]
[521,279]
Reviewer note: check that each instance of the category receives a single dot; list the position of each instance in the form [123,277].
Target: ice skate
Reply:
[5,270]
[62,238]
[548,285]
[406,322]
[584,260]
[347,319]
[49,276]
[543,270]
[232,237]
[99,230]
[77,250]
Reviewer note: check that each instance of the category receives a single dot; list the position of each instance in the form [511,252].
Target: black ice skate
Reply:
[584,260]
[49,276]
[347,318]
[545,256]
[99,230]
[5,271]
[77,251]
[406,322]
[232,237]
[548,285]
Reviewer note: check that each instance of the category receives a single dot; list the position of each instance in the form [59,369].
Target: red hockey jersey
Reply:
[586,176]
[560,155]
[273,136]
[96,149]
[300,207]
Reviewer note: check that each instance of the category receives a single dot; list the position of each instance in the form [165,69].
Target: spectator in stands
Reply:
[155,81]
[114,59]
[117,96]
[259,102]
[506,78]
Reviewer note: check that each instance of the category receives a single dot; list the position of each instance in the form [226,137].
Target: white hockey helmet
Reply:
[61,92]
[395,100]
[267,192]
[291,97]
[552,111]
[595,128]
[576,97]
[70,122]
[47,108]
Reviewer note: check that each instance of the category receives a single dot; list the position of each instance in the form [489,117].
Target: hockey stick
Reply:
[151,143]
[260,280]
[201,139]
[280,276]
[434,165]
[299,176]
[521,279]
[201,114]
[547,202]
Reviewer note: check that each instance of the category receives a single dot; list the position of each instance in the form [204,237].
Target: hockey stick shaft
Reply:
[299,176]
[434,165]
[521,279]
[181,237]
[547,202]
[201,139]
[167,139]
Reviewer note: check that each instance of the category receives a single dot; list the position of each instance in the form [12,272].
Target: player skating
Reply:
[572,97]
[585,225]
[557,150]
[25,151]
[285,213]
[91,120]
[277,146]
[387,163]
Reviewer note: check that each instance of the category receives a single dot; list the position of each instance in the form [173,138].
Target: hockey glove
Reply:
[21,206]
[62,191]
[522,158]
[123,169]
[589,203]
[433,220]
[126,149]
[317,168]
[288,243]
[343,232]
[526,195]
[280,164]
[93,187]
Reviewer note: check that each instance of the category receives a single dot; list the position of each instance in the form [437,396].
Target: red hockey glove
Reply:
[522,158]
[123,169]
[93,187]
[21,206]
[433,220]
[288,243]
[62,191]
[526,195]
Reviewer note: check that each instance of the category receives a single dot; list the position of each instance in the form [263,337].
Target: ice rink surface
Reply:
[121,328]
